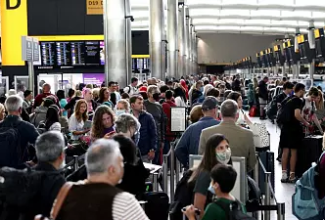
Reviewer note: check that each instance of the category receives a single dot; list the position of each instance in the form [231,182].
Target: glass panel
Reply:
[140,14]
[21,84]
[4,85]
[52,79]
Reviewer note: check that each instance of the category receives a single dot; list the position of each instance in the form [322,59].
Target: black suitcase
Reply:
[157,205]
[308,153]
[267,159]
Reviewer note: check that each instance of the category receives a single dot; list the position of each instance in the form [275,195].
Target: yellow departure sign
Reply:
[94,7]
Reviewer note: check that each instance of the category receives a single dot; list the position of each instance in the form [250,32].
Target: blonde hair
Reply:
[196,113]
[96,93]
[2,109]
[78,93]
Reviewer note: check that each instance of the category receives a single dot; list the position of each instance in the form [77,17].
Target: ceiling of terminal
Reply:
[244,16]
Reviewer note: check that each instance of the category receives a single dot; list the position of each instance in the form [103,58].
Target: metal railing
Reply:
[269,193]
[175,167]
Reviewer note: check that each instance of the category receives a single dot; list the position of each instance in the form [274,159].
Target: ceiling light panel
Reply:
[276,2]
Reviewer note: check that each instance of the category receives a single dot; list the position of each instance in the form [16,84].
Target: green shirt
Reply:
[215,212]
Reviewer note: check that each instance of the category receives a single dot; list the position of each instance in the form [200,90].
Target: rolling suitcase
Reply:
[308,153]
[267,159]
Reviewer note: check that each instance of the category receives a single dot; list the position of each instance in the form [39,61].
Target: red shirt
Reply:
[166,108]
[39,99]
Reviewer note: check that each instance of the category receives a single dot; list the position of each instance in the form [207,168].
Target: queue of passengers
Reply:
[124,128]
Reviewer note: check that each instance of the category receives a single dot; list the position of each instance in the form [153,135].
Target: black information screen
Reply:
[92,53]
[78,53]
[63,54]
[48,53]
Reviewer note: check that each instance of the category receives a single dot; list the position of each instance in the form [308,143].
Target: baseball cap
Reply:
[209,103]
[143,89]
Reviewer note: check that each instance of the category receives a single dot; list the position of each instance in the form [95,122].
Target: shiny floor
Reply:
[283,191]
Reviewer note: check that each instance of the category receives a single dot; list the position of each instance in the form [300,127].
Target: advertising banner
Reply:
[93,78]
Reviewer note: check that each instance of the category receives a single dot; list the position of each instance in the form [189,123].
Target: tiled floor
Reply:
[283,192]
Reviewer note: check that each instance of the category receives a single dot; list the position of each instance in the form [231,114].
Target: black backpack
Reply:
[12,153]
[285,114]
[19,190]
[183,196]
[233,211]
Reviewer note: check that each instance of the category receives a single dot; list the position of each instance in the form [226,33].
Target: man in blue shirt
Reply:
[189,142]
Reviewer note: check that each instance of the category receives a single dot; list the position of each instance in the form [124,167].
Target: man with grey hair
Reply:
[240,139]
[98,198]
[50,154]
[15,134]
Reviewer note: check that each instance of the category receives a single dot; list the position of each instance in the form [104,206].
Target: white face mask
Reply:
[119,112]
[224,156]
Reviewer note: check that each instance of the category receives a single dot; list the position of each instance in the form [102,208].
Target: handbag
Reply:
[261,135]
[58,202]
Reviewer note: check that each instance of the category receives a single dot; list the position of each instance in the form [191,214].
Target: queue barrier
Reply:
[269,193]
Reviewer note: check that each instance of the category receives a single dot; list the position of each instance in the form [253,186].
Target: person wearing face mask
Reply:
[155,109]
[122,107]
[105,168]
[216,151]
[242,142]
[223,179]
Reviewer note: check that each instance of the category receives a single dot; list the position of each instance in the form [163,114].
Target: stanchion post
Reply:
[155,182]
[75,164]
[281,211]
[172,171]
[256,170]
[267,199]
[178,167]
[165,173]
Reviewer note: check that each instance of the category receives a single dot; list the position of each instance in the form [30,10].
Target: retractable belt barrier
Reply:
[269,192]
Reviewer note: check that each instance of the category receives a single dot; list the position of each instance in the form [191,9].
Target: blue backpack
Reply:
[306,204]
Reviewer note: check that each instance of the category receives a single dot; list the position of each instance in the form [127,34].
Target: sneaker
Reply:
[284,178]
[292,178]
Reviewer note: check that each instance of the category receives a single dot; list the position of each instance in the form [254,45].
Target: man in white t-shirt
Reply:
[132,88]
[97,197]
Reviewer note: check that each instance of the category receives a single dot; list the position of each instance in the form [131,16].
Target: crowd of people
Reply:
[120,129]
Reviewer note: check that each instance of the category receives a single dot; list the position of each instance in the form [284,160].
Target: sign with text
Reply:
[30,49]
[93,78]
[95,7]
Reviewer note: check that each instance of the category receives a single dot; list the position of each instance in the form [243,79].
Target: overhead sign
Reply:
[29,49]
[13,25]
[94,7]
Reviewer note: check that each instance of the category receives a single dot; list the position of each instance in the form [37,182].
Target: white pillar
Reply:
[115,41]
[155,38]
[172,37]
[181,42]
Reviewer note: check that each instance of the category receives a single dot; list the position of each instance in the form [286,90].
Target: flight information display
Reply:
[78,53]
[92,53]
[48,53]
[63,53]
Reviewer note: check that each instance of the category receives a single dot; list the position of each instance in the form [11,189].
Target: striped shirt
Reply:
[126,207]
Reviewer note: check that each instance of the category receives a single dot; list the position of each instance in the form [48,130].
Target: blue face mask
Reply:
[211,189]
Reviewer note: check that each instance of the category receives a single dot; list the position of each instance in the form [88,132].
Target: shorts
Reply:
[291,136]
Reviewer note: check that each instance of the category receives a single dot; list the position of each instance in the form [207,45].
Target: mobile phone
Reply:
[197,211]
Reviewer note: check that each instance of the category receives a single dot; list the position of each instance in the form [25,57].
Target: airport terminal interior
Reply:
[162,109]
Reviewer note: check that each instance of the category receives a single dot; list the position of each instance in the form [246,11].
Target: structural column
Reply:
[155,38]
[181,42]
[115,31]
[128,45]
[194,48]
[172,37]
[187,42]
[296,67]
[311,39]
[190,46]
